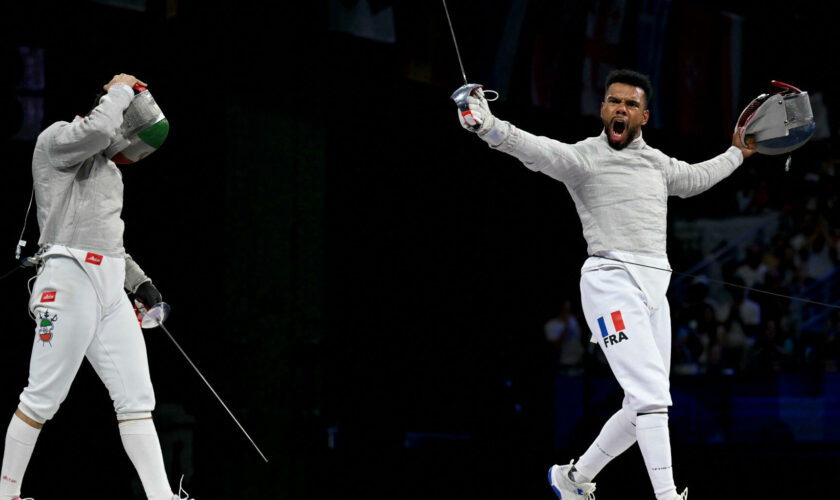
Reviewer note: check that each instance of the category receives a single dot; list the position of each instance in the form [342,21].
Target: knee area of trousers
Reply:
[652,420]
[128,416]
[139,402]
[629,416]
[38,417]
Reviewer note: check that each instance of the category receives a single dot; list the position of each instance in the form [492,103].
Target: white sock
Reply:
[655,443]
[616,436]
[140,440]
[20,441]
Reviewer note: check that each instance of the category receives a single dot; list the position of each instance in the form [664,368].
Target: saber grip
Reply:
[460,96]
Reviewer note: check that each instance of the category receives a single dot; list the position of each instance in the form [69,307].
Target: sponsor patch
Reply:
[93,258]
[48,296]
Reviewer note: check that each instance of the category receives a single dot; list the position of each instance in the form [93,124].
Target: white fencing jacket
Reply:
[78,191]
[621,196]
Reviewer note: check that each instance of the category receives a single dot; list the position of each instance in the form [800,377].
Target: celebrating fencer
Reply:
[620,186]
[78,300]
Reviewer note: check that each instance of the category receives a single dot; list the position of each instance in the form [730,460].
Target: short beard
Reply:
[620,146]
[631,136]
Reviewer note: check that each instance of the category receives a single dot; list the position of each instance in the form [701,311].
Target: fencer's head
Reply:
[625,107]
[143,129]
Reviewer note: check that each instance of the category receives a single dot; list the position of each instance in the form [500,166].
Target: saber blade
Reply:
[457,52]
[160,324]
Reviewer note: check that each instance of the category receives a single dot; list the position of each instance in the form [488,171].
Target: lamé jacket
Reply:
[620,195]
[78,191]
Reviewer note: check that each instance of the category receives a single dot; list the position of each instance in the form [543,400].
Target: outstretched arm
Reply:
[563,162]
[686,180]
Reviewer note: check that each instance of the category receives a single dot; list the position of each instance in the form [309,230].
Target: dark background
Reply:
[353,272]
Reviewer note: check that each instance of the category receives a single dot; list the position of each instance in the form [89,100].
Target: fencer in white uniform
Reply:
[620,187]
[78,300]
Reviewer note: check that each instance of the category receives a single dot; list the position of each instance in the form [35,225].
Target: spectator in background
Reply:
[752,270]
[779,260]
[747,310]
[813,247]
[775,306]
[696,329]
[723,297]
[770,352]
[740,328]
[753,196]
[564,333]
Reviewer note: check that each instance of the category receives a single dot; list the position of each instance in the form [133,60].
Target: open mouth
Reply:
[618,129]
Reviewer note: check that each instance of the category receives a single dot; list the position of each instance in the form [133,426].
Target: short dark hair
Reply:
[633,78]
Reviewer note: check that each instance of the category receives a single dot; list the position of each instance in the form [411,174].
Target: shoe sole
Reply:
[551,482]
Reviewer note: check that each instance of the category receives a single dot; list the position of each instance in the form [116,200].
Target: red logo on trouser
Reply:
[48,297]
[93,258]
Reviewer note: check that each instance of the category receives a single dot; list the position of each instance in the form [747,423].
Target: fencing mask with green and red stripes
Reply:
[143,130]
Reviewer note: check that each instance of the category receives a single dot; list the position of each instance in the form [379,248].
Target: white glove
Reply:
[479,113]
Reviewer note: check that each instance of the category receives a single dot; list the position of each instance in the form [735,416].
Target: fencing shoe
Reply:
[683,496]
[565,488]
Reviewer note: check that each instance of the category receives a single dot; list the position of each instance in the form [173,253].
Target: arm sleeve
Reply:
[686,180]
[75,142]
[563,162]
[134,275]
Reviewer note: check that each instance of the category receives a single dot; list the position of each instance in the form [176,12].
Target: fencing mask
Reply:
[143,130]
[780,122]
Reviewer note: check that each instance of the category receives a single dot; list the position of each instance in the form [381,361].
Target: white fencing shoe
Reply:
[565,488]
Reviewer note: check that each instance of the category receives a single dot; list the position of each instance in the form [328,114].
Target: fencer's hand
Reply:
[747,149]
[148,294]
[129,80]
[480,111]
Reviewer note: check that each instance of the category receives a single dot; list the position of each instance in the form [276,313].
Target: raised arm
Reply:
[71,143]
[686,180]
[563,162]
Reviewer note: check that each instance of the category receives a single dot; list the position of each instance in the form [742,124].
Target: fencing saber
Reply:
[155,317]
[463,92]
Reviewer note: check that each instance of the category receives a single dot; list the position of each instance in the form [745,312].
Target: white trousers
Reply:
[81,311]
[635,340]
